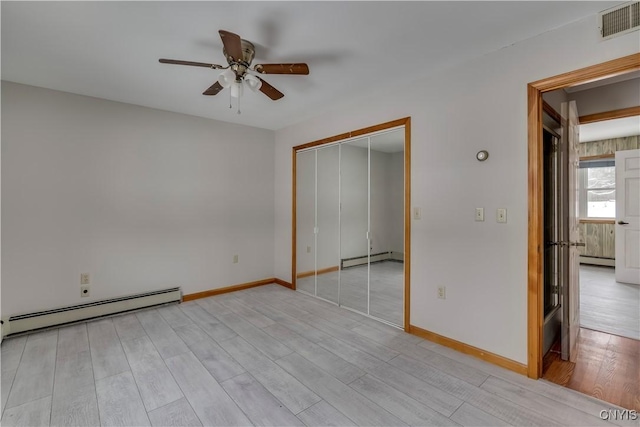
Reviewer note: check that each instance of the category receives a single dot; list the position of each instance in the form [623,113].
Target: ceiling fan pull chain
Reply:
[230,106]
[239,104]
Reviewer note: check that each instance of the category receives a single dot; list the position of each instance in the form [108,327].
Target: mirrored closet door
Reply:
[317,222]
[354,225]
[386,201]
[349,229]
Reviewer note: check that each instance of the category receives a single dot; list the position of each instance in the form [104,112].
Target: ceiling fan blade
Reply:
[299,68]
[270,91]
[194,64]
[214,89]
[232,44]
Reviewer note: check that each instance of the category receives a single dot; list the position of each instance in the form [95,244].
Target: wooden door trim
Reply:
[610,115]
[535,278]
[551,112]
[407,223]
[294,221]
[406,122]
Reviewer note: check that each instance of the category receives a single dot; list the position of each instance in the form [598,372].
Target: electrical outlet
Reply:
[85,279]
[85,291]
[442,292]
[479,214]
[235,259]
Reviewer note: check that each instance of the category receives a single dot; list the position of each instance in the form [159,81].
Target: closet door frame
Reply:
[406,122]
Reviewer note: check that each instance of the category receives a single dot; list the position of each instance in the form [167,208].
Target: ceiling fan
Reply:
[239,54]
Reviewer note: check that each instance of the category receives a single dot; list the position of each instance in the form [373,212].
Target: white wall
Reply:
[306,211]
[395,205]
[611,97]
[479,105]
[387,201]
[555,98]
[354,197]
[387,190]
[328,187]
[139,198]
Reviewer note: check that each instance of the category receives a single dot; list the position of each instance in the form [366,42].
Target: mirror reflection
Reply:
[305,221]
[350,224]
[328,222]
[386,271]
[354,225]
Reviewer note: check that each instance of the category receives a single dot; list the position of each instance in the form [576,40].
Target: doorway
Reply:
[607,354]
[594,371]
[536,192]
[351,230]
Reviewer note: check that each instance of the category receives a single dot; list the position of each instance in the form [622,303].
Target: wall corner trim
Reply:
[487,356]
[283,283]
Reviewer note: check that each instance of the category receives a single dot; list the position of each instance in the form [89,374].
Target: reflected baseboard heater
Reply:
[77,313]
[379,257]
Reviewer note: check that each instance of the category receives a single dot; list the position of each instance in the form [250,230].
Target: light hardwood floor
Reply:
[607,367]
[266,356]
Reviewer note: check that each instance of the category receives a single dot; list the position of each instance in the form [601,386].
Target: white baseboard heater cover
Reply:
[92,310]
[584,259]
[379,257]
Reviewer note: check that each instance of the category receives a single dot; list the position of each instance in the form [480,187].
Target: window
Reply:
[597,188]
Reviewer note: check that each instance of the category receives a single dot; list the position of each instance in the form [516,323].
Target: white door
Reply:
[628,216]
[571,234]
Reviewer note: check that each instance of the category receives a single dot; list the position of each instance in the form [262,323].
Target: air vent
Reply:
[620,20]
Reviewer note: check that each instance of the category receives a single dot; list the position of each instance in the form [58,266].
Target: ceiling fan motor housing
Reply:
[240,66]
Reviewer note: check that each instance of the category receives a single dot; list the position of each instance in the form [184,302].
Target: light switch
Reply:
[501,215]
[479,214]
[417,213]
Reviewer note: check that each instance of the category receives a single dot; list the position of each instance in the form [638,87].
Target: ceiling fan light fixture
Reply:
[253,82]
[236,89]
[226,78]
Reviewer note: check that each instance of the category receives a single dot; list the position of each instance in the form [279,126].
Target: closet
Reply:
[350,223]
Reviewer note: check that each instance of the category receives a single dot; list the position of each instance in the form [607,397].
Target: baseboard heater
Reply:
[379,257]
[592,260]
[62,316]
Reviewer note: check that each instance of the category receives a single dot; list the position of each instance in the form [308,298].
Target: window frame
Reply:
[606,160]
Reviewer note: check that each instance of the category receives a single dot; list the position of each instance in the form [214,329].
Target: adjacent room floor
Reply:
[606,305]
[607,367]
[608,361]
[266,356]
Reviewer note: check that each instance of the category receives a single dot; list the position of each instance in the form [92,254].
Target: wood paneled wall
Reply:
[599,240]
[608,146]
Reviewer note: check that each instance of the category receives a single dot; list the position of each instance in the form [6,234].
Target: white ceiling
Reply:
[609,129]
[110,49]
